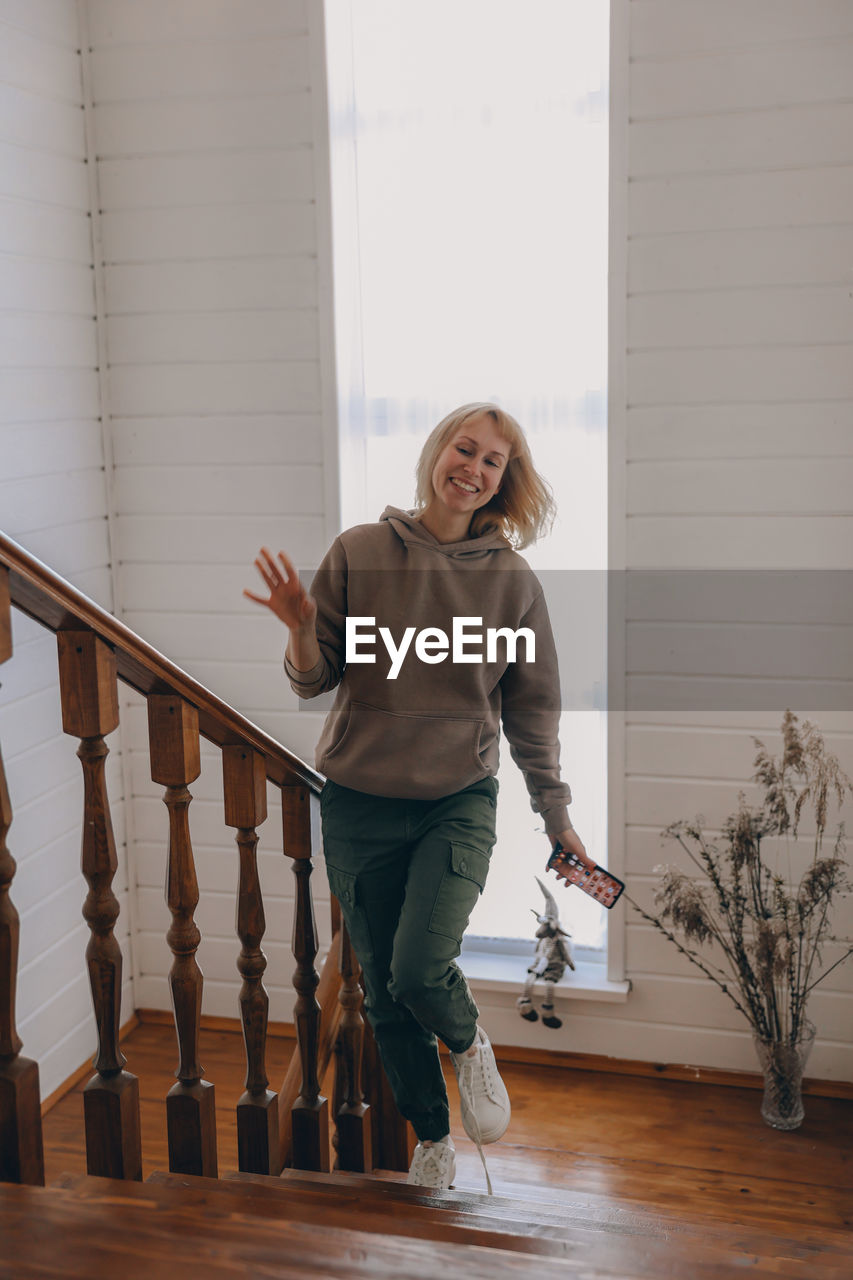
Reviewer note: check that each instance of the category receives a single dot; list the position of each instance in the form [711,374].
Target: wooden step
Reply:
[820,1248]
[585,1210]
[141,1230]
[778,1197]
[344,1202]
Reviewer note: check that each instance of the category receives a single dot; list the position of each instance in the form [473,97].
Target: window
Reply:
[470,214]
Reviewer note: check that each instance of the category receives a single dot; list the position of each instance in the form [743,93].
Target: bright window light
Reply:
[470,215]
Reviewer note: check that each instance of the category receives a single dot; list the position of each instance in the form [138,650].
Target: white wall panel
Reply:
[211,286]
[739,241]
[31,448]
[220,637]
[38,64]
[155,587]
[75,556]
[710,753]
[716,201]
[795,486]
[221,865]
[739,431]
[114,22]
[24,339]
[177,389]
[54,179]
[660,28]
[648,850]
[803,316]
[48,286]
[739,454]
[45,232]
[649,952]
[742,258]
[797,137]
[743,374]
[775,75]
[279,438]
[161,128]
[33,502]
[219,231]
[53,499]
[31,120]
[45,394]
[260,178]
[55,20]
[225,539]
[205,137]
[203,490]
[226,337]
[31,718]
[155,69]
[750,542]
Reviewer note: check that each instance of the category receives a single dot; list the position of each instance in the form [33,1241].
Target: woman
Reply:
[410,747]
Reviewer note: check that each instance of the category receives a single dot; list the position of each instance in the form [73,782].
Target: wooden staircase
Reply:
[348,1225]
[275,1129]
[306,1222]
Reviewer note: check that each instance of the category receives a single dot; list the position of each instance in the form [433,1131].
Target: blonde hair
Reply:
[523,509]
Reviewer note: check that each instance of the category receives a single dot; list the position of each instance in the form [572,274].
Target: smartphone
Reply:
[598,883]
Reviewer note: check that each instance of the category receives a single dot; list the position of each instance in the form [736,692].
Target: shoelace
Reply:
[467,1071]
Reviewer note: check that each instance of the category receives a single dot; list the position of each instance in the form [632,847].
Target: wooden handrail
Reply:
[95,650]
[41,593]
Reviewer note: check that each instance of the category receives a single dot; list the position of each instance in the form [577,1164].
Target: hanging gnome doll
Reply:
[549,963]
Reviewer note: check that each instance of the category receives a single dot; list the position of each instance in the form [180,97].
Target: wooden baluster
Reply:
[89,691]
[245,780]
[21,1150]
[352,1114]
[190,1107]
[310,1114]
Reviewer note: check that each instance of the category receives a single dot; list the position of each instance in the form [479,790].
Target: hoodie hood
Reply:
[408,527]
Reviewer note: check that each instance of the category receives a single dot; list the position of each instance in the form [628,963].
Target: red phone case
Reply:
[599,884]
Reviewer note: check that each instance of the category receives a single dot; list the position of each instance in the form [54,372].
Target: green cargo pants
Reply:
[407,874]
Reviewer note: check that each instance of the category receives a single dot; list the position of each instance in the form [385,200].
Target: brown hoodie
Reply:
[432,729]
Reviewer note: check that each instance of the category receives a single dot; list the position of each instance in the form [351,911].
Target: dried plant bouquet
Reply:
[765,932]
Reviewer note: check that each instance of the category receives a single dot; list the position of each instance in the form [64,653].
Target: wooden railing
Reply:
[274,1129]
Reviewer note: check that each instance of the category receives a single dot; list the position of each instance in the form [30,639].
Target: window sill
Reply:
[503,972]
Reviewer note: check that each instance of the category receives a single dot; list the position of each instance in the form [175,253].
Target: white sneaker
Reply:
[485,1101]
[433,1166]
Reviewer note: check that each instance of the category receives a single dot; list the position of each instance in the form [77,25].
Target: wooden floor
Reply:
[693,1150]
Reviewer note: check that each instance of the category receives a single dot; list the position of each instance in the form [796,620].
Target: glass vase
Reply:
[783,1064]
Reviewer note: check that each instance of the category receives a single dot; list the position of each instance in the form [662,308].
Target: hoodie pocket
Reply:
[408,754]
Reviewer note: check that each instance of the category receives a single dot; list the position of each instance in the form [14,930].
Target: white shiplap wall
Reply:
[53,500]
[211,155]
[739,380]
[211,147]
[731,387]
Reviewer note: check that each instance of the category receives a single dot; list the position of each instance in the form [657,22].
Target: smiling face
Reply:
[467,474]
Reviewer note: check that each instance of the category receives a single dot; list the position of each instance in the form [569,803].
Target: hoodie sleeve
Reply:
[329,589]
[530,699]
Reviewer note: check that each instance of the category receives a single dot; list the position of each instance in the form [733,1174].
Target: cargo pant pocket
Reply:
[344,885]
[460,887]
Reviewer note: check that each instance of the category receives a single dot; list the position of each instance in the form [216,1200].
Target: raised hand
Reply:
[288,599]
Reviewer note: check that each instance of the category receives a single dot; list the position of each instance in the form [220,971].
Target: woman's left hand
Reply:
[572,843]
